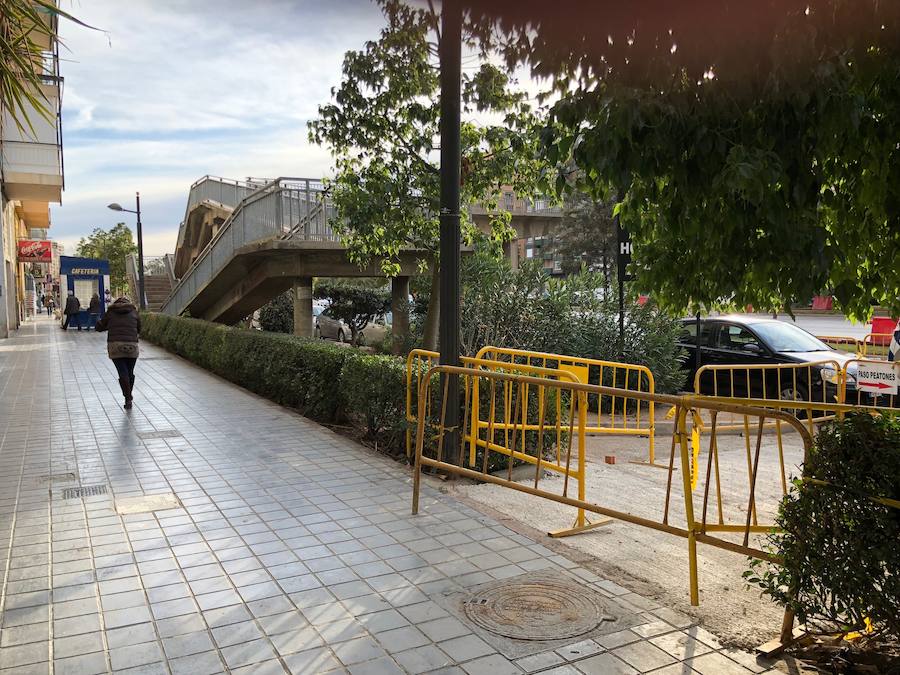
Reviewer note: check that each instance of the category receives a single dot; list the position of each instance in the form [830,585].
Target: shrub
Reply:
[302,373]
[355,305]
[374,391]
[277,316]
[840,552]
[526,309]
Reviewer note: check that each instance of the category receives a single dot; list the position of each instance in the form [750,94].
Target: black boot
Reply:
[125,385]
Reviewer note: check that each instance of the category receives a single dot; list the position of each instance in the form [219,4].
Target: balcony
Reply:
[32,158]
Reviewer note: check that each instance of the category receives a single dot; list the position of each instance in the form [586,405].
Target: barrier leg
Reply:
[688,505]
[581,523]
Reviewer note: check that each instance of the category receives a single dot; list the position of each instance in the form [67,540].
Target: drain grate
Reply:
[155,358]
[165,433]
[83,491]
[545,610]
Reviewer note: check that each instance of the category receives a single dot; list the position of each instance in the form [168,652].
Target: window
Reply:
[85,289]
[689,333]
[508,198]
[735,337]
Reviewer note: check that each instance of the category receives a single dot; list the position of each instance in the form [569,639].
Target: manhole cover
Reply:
[147,503]
[539,610]
[67,477]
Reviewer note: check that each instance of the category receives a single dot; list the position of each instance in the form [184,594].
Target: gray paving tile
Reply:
[77,645]
[491,665]
[88,664]
[135,655]
[248,653]
[423,659]
[187,644]
[604,664]
[319,660]
[643,656]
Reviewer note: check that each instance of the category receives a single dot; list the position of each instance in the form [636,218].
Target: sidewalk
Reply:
[272,544]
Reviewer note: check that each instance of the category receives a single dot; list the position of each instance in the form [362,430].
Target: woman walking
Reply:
[123,324]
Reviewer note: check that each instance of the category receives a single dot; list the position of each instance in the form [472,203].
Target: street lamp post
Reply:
[142,302]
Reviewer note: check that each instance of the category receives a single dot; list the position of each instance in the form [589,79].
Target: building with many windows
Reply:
[31,178]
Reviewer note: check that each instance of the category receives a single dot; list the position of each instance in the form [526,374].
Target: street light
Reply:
[140,237]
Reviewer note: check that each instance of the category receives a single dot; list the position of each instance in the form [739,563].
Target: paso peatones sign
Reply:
[34,250]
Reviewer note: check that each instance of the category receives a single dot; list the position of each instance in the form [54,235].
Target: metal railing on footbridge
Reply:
[284,208]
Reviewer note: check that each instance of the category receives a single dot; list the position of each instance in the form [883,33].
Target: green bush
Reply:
[841,550]
[298,372]
[277,316]
[374,391]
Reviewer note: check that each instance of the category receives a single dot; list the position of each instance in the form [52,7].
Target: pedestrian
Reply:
[72,308]
[94,310]
[894,348]
[48,303]
[123,325]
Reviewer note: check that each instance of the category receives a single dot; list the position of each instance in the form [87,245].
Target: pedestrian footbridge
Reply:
[243,242]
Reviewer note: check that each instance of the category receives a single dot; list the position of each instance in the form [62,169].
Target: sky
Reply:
[167,91]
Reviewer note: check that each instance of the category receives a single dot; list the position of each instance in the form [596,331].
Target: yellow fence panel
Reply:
[621,413]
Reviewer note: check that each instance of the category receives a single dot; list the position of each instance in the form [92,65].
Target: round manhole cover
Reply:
[544,610]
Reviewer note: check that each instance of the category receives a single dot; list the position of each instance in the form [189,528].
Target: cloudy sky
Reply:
[171,90]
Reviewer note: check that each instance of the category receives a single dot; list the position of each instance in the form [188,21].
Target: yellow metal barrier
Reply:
[875,345]
[611,414]
[510,420]
[431,452]
[842,343]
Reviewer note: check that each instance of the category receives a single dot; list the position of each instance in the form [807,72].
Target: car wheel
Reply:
[340,336]
[791,393]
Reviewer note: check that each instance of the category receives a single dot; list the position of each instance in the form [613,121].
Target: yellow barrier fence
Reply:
[851,394]
[842,343]
[507,420]
[713,530]
[619,414]
[875,345]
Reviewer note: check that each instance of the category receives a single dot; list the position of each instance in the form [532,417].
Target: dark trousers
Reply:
[71,317]
[125,368]
[49,310]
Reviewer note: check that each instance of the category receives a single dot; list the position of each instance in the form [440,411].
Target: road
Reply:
[824,324]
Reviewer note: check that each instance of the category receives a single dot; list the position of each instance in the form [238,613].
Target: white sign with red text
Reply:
[877,377]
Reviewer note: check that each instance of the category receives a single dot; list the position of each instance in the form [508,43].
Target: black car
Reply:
[736,340]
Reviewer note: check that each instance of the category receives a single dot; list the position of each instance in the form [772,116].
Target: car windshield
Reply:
[785,337]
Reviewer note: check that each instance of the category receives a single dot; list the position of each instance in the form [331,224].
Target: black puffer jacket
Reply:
[122,321]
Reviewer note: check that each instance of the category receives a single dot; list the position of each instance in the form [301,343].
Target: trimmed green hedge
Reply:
[324,382]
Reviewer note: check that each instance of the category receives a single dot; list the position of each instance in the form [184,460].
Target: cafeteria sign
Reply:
[34,250]
[877,377]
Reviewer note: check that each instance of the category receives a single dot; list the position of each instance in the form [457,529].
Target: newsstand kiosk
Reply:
[84,277]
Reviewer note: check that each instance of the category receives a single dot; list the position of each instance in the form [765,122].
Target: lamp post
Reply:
[142,303]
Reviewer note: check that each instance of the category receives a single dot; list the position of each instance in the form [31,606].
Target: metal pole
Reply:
[142,301]
[450,51]
[621,318]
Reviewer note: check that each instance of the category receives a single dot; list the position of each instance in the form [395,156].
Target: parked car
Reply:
[327,326]
[737,340]
[375,331]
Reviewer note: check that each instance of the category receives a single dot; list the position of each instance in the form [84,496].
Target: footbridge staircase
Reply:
[243,242]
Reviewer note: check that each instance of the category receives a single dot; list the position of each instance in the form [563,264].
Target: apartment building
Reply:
[31,178]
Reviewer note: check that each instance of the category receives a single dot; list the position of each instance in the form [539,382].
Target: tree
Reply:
[277,315]
[383,127]
[24,26]
[113,245]
[586,235]
[756,148]
[356,306]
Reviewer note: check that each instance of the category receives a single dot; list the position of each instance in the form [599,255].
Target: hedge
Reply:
[324,382]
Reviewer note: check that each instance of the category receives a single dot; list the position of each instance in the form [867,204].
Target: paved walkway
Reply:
[290,549]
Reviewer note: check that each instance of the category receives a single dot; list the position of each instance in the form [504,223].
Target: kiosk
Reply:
[84,277]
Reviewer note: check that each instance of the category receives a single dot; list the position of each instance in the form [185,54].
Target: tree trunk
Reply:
[430,340]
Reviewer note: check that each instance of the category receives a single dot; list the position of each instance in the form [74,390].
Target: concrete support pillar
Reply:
[514,254]
[303,325]
[400,310]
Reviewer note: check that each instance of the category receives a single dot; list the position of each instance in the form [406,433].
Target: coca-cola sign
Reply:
[35,250]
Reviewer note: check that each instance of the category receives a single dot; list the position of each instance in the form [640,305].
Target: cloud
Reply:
[174,90]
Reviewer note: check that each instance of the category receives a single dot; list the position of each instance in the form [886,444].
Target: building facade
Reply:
[31,178]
